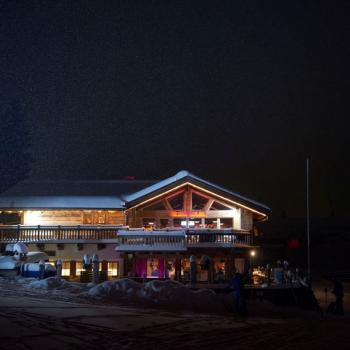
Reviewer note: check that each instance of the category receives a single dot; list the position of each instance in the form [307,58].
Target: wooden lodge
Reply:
[137,228]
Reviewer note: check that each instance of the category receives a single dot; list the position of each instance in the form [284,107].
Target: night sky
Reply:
[237,92]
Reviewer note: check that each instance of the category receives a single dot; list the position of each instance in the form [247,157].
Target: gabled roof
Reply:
[65,194]
[184,177]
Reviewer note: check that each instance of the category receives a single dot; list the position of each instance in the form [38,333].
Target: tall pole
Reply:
[308,218]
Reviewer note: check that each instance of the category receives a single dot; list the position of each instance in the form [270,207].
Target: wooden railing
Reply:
[152,243]
[27,234]
[219,238]
[75,234]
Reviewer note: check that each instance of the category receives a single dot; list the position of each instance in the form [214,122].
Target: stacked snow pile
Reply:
[167,294]
[50,283]
[124,289]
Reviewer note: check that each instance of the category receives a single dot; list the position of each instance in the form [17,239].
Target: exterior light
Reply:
[252,253]
[32,218]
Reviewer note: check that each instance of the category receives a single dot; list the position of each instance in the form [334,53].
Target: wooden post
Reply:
[59,268]
[41,269]
[211,271]
[178,268]
[72,268]
[95,269]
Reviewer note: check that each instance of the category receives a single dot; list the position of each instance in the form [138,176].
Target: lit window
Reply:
[211,223]
[65,268]
[78,268]
[179,222]
[112,269]
[148,223]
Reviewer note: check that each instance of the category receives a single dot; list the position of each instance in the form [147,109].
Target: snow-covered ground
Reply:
[55,314]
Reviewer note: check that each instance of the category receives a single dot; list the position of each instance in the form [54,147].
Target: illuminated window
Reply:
[101,218]
[65,268]
[179,222]
[198,202]
[195,222]
[78,267]
[211,223]
[112,269]
[148,223]
[153,268]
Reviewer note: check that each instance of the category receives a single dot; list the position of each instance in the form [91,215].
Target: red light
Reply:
[293,244]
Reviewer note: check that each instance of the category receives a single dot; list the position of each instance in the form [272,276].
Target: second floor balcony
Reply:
[128,239]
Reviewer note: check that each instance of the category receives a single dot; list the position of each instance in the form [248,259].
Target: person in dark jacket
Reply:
[339,294]
[237,286]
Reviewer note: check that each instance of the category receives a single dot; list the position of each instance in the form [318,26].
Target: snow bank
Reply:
[50,283]
[167,294]
[124,289]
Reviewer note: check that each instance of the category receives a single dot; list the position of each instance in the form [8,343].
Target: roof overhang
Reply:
[154,192]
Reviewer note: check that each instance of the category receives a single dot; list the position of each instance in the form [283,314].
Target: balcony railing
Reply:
[151,241]
[128,240]
[225,238]
[58,234]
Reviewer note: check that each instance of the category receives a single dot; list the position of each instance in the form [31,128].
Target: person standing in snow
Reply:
[237,286]
[41,269]
[339,294]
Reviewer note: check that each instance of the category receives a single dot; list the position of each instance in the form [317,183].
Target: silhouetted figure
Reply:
[237,286]
[337,308]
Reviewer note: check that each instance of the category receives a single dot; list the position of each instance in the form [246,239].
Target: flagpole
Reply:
[308,218]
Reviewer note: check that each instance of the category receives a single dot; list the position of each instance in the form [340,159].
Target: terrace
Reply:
[128,239]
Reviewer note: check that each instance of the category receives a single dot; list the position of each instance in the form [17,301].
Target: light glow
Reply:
[32,217]
[200,189]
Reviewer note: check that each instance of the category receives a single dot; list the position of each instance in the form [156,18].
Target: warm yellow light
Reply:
[32,217]
[252,253]
[201,189]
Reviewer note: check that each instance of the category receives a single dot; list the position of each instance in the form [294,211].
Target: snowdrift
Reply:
[165,294]
[50,283]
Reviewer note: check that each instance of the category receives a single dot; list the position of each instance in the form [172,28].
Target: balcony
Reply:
[163,241]
[59,234]
[213,238]
[126,239]
[181,240]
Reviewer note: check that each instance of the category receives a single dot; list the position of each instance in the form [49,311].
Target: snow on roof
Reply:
[66,194]
[183,174]
[61,202]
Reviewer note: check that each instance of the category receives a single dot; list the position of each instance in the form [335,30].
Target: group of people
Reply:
[236,284]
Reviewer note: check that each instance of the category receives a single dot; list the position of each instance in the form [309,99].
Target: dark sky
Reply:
[238,92]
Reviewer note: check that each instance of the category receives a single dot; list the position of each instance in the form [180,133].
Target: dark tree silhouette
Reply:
[15,158]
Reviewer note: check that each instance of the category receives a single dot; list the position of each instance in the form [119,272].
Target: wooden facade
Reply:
[163,226]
